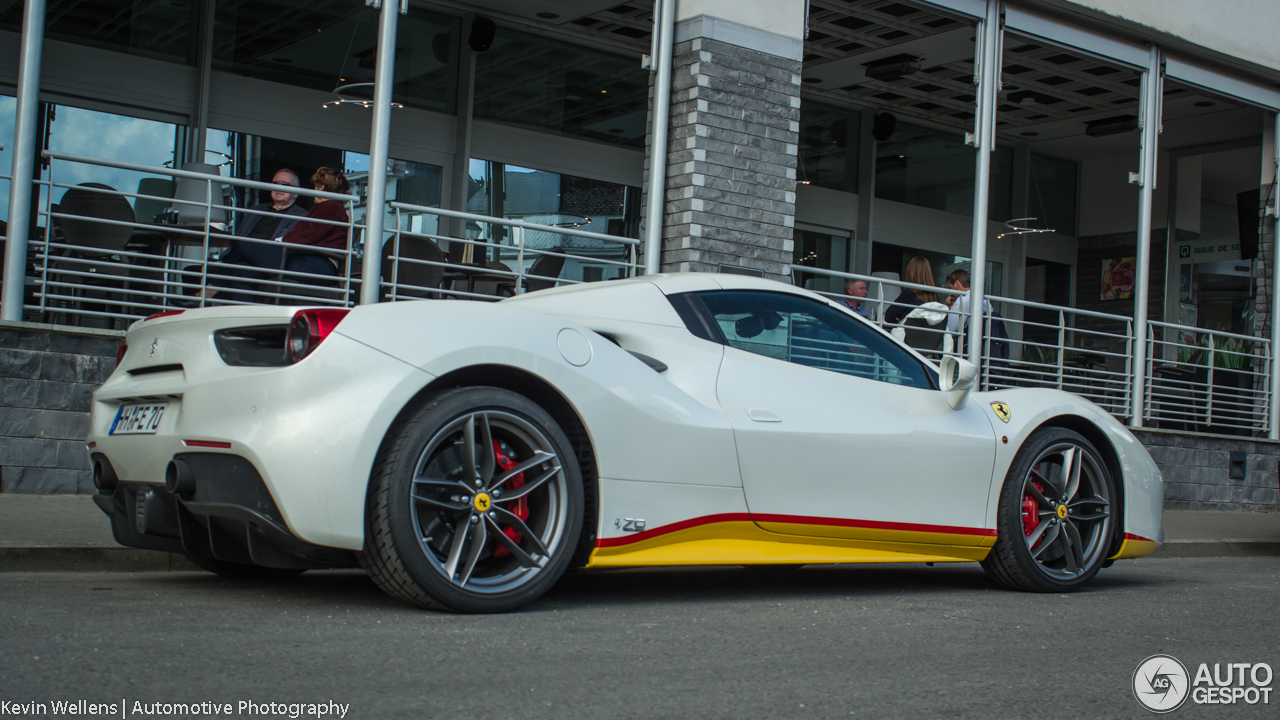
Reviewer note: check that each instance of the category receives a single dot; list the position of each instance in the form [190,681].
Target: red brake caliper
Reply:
[1030,511]
[521,507]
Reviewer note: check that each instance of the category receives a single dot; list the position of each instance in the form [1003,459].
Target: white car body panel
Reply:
[866,451]
[664,442]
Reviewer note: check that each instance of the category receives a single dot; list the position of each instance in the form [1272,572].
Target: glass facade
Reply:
[1052,194]
[933,168]
[553,86]
[157,30]
[8,106]
[537,196]
[894,259]
[323,45]
[828,146]
[821,250]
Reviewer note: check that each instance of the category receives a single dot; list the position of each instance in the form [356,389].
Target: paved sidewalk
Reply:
[69,532]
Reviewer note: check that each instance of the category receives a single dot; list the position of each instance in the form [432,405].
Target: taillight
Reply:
[309,328]
[120,351]
[163,314]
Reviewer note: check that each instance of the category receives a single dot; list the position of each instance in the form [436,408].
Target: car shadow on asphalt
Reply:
[815,582]
[651,586]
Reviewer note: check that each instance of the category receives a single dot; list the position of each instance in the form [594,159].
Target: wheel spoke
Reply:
[1069,539]
[1044,479]
[478,537]
[515,522]
[488,460]
[1052,534]
[529,487]
[1034,492]
[446,504]
[516,551]
[538,458]
[456,485]
[1077,545]
[1071,473]
[455,550]
[1037,534]
[1101,513]
[469,451]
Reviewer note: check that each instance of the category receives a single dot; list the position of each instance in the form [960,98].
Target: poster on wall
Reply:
[1118,278]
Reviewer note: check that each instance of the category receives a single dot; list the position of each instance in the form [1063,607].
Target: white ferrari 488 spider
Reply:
[465,453]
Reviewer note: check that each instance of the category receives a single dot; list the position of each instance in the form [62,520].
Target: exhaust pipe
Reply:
[179,479]
[104,476]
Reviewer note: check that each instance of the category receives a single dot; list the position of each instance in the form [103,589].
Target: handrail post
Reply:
[379,141]
[984,140]
[1062,344]
[1273,429]
[664,24]
[24,156]
[1152,85]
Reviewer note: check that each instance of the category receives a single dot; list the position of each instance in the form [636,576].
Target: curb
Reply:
[91,559]
[1216,548]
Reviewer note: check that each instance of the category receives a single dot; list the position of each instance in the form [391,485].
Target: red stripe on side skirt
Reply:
[794,520]
[876,525]
[1131,536]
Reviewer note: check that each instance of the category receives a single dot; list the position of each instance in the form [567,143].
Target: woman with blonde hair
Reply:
[919,272]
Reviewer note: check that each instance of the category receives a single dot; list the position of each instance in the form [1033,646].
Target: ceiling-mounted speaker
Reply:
[482,31]
[882,126]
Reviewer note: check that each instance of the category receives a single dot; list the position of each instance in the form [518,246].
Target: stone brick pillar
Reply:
[731,158]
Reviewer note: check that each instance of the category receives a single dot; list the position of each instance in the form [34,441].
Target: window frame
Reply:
[701,322]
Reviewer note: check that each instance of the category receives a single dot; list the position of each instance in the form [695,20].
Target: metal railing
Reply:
[1206,380]
[100,259]
[1196,379]
[504,256]
[97,259]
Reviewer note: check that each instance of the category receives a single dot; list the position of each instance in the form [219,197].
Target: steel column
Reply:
[24,158]
[460,183]
[379,142]
[1273,427]
[200,116]
[989,39]
[1149,124]
[664,26]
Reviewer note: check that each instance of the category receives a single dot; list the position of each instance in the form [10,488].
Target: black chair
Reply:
[545,271]
[413,279]
[96,247]
[498,283]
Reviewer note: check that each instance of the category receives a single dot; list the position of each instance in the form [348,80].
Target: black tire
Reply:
[244,571]
[419,498]
[1053,536]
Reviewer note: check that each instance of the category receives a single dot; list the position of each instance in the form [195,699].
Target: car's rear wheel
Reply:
[476,503]
[1054,519]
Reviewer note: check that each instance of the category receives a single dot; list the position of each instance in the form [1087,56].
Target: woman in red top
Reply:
[317,234]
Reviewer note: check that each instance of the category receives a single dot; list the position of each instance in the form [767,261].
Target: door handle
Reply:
[763,416]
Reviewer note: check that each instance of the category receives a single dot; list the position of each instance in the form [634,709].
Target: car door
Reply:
[841,432]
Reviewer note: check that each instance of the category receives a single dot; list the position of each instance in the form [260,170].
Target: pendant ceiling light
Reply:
[352,93]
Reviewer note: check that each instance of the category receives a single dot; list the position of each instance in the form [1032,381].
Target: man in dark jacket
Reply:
[264,228]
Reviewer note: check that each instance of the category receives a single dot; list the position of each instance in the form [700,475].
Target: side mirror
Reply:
[957,378]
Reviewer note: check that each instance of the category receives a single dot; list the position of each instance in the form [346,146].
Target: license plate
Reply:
[138,419]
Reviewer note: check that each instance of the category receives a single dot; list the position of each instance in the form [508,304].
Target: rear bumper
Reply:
[230,517]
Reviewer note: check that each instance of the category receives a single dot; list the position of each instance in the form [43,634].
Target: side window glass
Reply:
[802,331]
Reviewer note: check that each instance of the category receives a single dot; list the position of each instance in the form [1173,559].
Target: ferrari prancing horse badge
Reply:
[1002,410]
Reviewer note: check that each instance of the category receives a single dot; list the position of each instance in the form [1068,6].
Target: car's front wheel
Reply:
[475,505]
[1055,516]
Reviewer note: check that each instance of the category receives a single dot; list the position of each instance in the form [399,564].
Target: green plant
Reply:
[1231,354]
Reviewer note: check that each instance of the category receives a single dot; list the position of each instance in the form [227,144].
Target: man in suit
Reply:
[266,229]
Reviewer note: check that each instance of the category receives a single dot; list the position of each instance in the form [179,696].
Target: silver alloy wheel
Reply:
[1064,493]
[466,493]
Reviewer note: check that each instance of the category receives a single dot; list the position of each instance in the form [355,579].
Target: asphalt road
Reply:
[866,642]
